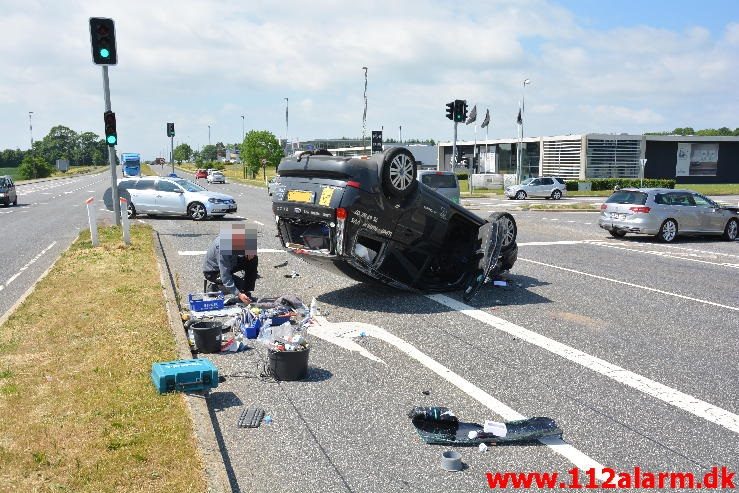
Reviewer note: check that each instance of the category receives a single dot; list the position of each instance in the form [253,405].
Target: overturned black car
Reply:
[369,218]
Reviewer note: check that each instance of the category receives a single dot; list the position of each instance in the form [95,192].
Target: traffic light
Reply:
[170,129]
[111,136]
[102,36]
[460,110]
[450,110]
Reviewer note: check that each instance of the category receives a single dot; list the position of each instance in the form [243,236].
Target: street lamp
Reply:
[208,134]
[243,135]
[30,127]
[520,139]
[287,124]
[364,115]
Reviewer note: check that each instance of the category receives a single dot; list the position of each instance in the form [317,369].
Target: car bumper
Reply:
[215,209]
[638,225]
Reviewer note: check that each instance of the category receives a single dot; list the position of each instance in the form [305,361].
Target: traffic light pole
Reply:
[454,147]
[171,150]
[111,154]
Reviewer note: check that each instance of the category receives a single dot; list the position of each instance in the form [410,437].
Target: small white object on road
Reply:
[482,447]
[495,427]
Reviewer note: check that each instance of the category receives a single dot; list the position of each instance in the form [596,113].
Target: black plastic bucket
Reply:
[288,365]
[207,336]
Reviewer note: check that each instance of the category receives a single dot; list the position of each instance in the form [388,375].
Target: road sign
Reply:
[376,141]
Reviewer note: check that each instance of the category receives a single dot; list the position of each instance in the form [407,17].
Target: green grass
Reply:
[13,172]
[78,411]
[235,172]
[712,189]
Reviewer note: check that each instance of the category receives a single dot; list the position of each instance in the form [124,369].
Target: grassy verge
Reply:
[712,189]
[146,170]
[558,207]
[235,173]
[79,412]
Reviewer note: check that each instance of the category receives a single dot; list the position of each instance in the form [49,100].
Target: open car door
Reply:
[490,239]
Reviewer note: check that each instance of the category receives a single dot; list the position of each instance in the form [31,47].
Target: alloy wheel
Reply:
[401,172]
[197,211]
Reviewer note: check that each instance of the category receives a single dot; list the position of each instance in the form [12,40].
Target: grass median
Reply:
[79,412]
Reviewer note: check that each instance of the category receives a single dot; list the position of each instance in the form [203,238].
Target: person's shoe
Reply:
[230,300]
[211,288]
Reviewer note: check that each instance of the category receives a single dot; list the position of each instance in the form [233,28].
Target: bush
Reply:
[610,183]
[34,167]
[463,176]
[571,185]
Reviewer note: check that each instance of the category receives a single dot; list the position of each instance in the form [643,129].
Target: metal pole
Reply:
[287,122]
[30,127]
[243,135]
[111,154]
[454,148]
[171,151]
[400,133]
[364,115]
[208,134]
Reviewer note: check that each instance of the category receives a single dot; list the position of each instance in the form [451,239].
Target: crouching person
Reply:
[233,251]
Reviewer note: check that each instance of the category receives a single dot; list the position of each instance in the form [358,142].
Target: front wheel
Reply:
[668,231]
[557,194]
[520,195]
[617,233]
[197,211]
[131,211]
[731,231]
[398,172]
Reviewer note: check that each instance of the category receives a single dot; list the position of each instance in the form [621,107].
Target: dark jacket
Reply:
[225,264]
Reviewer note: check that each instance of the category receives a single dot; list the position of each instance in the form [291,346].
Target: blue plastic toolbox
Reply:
[186,375]
[201,302]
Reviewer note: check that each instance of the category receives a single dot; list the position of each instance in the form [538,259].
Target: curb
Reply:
[43,180]
[216,476]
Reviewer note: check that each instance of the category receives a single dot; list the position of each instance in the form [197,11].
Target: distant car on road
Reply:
[216,177]
[544,186]
[369,218]
[442,182]
[667,213]
[8,195]
[171,196]
[201,173]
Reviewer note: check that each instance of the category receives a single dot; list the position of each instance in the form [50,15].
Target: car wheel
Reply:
[617,233]
[131,211]
[556,195]
[508,225]
[520,195]
[197,211]
[399,172]
[731,231]
[668,231]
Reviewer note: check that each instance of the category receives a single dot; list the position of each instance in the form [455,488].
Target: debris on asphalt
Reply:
[500,283]
[268,420]
[482,447]
[496,428]
[426,392]
[283,264]
[439,425]
[451,461]
[251,418]
[292,275]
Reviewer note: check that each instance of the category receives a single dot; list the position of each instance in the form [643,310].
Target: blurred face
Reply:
[239,238]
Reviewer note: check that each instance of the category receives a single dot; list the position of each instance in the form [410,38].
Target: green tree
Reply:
[11,158]
[90,149]
[208,153]
[60,143]
[258,145]
[182,153]
[220,150]
[34,167]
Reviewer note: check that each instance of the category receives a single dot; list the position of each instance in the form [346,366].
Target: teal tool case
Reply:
[187,375]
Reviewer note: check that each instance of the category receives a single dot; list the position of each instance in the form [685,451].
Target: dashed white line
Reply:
[671,396]
[30,263]
[666,255]
[261,224]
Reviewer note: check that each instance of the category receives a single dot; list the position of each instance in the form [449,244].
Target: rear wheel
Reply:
[131,210]
[520,195]
[508,225]
[398,172]
[617,233]
[197,211]
[668,231]
[557,194]
[731,231]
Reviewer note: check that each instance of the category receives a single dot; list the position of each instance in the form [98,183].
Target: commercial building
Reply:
[687,159]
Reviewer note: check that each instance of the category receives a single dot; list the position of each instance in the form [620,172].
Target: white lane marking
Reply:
[647,288]
[547,243]
[699,251]
[662,392]
[192,253]
[676,255]
[261,224]
[589,224]
[30,263]
[343,333]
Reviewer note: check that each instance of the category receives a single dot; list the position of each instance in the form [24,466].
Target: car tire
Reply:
[520,195]
[556,195]
[668,231]
[510,229]
[617,233]
[131,210]
[399,172]
[197,211]
[731,231]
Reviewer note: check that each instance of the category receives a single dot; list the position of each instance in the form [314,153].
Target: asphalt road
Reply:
[46,220]
[628,344]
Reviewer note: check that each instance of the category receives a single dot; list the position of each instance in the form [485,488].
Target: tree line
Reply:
[706,132]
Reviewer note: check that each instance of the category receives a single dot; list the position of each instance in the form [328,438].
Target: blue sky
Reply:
[595,66]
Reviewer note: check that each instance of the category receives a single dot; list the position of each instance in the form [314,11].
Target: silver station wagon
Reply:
[667,213]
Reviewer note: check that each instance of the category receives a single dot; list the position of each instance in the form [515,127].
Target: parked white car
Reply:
[173,196]
[544,186]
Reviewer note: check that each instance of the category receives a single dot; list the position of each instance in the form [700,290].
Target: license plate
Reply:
[300,196]
[616,215]
[326,195]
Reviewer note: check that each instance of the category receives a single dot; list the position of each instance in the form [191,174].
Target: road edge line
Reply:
[206,442]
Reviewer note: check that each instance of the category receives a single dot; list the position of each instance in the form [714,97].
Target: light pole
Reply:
[287,122]
[364,115]
[208,134]
[520,139]
[400,133]
[30,127]
[243,135]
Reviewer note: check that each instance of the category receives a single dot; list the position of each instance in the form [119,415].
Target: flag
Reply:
[519,120]
[486,120]
[473,116]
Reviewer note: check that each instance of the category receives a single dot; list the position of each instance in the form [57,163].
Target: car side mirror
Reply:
[180,191]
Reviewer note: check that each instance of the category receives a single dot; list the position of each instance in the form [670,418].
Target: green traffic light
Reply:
[111,139]
[104,52]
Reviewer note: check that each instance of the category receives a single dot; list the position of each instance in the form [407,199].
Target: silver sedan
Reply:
[667,213]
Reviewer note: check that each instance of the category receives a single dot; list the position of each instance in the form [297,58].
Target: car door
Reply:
[684,211]
[532,189]
[710,218]
[546,187]
[142,195]
[169,198]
